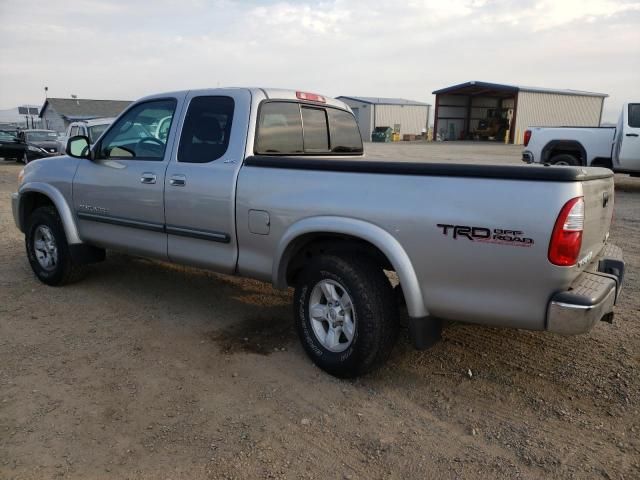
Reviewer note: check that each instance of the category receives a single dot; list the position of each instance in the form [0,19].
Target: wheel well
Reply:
[308,246]
[602,162]
[560,147]
[29,202]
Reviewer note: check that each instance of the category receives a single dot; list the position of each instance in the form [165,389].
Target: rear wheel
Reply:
[565,159]
[345,315]
[48,250]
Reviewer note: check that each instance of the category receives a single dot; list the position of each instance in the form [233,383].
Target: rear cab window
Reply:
[634,115]
[293,128]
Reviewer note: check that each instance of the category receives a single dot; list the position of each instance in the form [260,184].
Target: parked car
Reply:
[617,148]
[272,185]
[91,129]
[45,139]
[13,147]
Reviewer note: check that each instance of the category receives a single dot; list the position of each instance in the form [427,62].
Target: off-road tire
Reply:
[66,270]
[565,159]
[376,313]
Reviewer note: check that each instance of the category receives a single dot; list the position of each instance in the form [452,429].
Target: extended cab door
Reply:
[201,179]
[118,197]
[629,142]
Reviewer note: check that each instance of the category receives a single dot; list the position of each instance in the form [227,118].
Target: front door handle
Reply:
[148,178]
[178,180]
[632,134]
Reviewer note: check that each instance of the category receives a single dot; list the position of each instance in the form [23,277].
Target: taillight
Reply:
[527,137]
[566,239]
[311,97]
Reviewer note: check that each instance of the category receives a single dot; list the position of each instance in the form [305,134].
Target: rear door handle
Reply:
[178,181]
[632,134]
[148,178]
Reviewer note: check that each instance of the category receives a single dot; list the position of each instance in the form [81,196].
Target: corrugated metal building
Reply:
[460,109]
[57,113]
[409,117]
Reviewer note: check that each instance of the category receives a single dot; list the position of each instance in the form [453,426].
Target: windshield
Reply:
[41,136]
[7,137]
[96,130]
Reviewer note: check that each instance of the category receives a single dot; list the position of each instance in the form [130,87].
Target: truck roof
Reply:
[96,121]
[271,93]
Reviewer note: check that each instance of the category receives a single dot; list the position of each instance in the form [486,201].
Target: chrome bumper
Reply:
[591,297]
[15,203]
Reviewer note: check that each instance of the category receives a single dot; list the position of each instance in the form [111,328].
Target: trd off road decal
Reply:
[501,236]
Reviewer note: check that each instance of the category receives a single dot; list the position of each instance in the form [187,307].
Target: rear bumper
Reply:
[590,298]
[527,157]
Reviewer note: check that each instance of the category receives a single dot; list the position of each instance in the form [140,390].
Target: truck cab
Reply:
[626,150]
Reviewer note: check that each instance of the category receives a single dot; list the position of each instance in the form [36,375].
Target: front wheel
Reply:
[48,250]
[345,314]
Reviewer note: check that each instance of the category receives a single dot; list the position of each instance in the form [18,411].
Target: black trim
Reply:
[121,222]
[200,234]
[156,227]
[510,172]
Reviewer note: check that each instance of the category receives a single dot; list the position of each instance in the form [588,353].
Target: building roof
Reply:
[384,101]
[481,88]
[85,109]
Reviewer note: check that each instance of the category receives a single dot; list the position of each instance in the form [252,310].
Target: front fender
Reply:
[371,233]
[66,215]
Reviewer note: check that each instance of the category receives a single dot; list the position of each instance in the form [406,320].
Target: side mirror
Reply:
[78,146]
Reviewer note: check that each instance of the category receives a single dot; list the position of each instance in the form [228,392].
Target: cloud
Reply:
[123,50]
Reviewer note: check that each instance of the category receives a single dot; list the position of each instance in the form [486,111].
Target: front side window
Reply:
[206,130]
[96,130]
[634,115]
[135,135]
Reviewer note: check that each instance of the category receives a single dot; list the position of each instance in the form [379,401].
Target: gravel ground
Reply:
[148,370]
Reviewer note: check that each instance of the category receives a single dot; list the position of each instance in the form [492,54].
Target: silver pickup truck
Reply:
[273,185]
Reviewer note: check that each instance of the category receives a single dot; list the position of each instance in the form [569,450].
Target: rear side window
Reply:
[206,130]
[74,131]
[279,128]
[634,115]
[345,135]
[290,128]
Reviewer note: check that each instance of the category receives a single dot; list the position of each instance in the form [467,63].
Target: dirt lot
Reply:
[146,370]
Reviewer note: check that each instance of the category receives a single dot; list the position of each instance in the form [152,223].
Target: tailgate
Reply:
[598,203]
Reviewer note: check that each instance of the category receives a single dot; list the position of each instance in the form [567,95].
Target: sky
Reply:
[123,49]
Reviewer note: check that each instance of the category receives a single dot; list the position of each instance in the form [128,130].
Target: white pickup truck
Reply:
[617,148]
[92,129]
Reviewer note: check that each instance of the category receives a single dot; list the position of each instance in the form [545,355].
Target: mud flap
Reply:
[425,332]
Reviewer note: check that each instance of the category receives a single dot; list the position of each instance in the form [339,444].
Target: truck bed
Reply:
[477,280]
